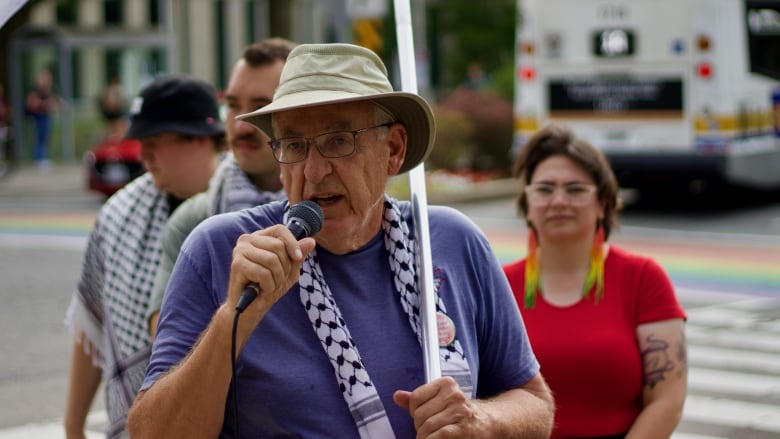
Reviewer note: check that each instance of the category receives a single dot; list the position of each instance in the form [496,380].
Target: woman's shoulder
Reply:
[625,262]
[623,256]
[517,266]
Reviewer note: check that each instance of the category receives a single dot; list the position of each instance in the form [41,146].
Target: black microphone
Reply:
[303,220]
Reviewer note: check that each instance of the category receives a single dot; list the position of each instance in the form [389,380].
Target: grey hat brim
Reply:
[407,108]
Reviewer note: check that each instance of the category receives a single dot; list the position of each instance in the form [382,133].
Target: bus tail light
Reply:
[704,70]
[527,73]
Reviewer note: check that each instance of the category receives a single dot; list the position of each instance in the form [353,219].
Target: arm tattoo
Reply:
[656,360]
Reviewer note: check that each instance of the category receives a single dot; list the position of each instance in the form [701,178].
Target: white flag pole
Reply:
[9,8]
[419,199]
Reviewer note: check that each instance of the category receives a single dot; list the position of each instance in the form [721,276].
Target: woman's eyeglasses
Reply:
[542,194]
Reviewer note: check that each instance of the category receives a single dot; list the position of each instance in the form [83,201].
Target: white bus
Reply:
[671,90]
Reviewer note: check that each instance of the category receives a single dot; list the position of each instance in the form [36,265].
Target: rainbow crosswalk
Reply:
[46,223]
[692,260]
[734,350]
[696,261]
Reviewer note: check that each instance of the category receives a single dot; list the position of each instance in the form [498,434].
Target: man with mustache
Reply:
[247,177]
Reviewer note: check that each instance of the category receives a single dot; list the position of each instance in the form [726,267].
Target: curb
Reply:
[69,180]
[59,179]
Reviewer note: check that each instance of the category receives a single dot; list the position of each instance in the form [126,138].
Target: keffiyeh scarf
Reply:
[353,379]
[109,307]
[230,189]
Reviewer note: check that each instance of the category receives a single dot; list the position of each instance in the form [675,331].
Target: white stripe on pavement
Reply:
[764,341]
[729,359]
[42,241]
[739,383]
[54,429]
[735,414]
[718,317]
[694,436]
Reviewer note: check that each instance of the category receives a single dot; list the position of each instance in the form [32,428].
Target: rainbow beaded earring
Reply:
[531,270]
[596,272]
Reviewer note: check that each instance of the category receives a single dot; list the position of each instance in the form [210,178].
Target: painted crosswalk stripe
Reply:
[54,429]
[727,359]
[734,373]
[678,435]
[735,383]
[731,413]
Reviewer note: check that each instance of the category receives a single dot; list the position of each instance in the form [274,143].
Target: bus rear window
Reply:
[763,36]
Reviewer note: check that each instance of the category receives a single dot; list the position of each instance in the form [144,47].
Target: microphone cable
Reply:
[233,386]
[304,219]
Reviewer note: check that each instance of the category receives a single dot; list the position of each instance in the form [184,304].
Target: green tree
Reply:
[475,124]
[473,31]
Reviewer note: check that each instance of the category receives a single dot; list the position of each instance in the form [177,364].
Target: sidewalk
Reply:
[69,179]
[61,179]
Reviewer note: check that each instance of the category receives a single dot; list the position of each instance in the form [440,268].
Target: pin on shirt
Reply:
[446,329]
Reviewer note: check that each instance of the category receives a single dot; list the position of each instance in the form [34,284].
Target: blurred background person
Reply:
[604,323]
[476,78]
[177,121]
[248,176]
[40,103]
[113,108]
[5,132]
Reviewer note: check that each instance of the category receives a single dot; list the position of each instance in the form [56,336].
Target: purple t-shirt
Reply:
[287,386]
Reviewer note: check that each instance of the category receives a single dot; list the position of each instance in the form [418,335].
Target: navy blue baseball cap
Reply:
[175,104]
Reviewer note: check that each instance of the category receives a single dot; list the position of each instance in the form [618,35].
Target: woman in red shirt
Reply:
[604,323]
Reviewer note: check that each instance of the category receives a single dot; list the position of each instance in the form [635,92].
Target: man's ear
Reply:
[396,142]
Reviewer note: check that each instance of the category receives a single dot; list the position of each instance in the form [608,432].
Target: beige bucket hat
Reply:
[322,74]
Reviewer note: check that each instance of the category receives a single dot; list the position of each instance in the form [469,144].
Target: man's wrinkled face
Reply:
[349,189]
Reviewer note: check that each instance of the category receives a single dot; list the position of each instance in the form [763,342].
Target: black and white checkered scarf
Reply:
[230,189]
[109,306]
[355,384]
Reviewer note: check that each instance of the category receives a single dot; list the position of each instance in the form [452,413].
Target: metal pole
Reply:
[419,198]
[16,88]
[67,120]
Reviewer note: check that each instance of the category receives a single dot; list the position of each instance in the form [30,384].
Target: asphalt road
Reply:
[44,218]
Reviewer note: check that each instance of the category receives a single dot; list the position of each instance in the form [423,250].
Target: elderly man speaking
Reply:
[331,345]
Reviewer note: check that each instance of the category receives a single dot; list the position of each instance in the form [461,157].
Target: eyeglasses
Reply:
[541,194]
[330,145]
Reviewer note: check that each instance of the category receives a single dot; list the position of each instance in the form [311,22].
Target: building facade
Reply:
[84,43]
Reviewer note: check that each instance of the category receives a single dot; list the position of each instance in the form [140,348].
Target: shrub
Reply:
[453,144]
[489,121]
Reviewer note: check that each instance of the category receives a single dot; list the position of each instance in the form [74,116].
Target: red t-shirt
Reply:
[589,353]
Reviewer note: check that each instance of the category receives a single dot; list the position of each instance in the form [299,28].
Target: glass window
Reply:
[112,12]
[763,36]
[154,12]
[66,11]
